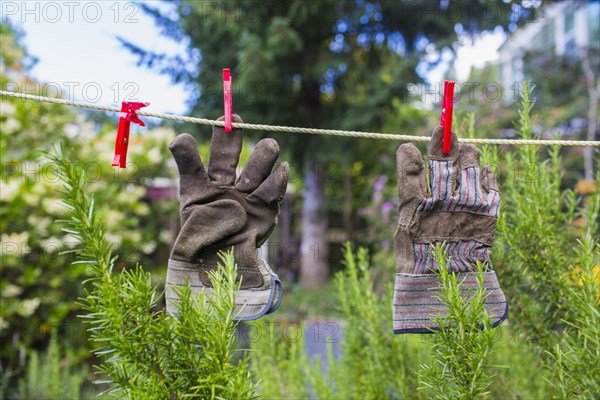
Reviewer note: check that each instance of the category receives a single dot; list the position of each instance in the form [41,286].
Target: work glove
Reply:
[459,207]
[219,212]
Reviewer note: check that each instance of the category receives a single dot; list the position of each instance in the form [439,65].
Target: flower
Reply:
[584,187]
[380,183]
[9,190]
[387,207]
[154,155]
[11,291]
[149,247]
[27,307]
[51,244]
[14,244]
[53,206]
[166,236]
[377,197]
[40,224]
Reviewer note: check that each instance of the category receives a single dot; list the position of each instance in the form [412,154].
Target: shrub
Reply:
[548,347]
[575,361]
[462,346]
[51,375]
[145,352]
[373,362]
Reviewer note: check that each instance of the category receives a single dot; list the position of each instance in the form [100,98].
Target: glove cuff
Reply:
[251,303]
[417,303]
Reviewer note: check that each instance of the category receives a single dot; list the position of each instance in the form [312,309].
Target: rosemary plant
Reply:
[146,353]
[575,361]
[462,346]
[536,235]
[373,362]
[48,376]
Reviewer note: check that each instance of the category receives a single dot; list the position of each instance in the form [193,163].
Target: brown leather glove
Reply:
[460,207]
[218,213]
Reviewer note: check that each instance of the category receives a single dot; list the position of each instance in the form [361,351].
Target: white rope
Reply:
[291,129]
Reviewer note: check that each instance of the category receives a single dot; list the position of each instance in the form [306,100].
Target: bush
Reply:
[145,352]
[548,347]
[575,361]
[373,364]
[51,375]
[38,283]
[462,347]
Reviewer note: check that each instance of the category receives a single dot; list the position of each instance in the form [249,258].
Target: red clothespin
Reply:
[128,115]
[446,119]
[227,94]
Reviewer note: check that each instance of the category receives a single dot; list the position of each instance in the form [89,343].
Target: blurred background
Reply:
[356,65]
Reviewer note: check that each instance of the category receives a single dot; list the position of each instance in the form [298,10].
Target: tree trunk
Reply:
[314,267]
[590,77]
[286,251]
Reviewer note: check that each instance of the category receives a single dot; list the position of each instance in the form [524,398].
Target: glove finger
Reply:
[192,175]
[412,187]
[491,192]
[259,165]
[273,188]
[204,225]
[442,167]
[470,193]
[468,156]
[225,152]
[434,152]
[488,180]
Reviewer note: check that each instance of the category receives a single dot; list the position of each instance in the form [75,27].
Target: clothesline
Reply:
[291,129]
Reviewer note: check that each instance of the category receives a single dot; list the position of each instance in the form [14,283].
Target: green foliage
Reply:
[51,375]
[549,280]
[462,346]
[373,364]
[536,233]
[518,371]
[312,57]
[39,285]
[146,353]
[547,348]
[560,85]
[299,303]
[576,359]
[280,362]
[377,362]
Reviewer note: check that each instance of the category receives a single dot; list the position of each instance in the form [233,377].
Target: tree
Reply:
[317,63]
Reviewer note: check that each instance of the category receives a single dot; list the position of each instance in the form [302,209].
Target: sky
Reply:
[77,49]
[71,41]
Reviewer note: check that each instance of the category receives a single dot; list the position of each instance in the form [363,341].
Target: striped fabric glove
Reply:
[219,212]
[459,208]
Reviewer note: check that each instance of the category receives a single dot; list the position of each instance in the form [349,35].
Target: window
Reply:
[570,44]
[569,22]
[544,40]
[593,13]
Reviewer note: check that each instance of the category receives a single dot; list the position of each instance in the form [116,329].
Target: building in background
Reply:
[559,52]
[561,28]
